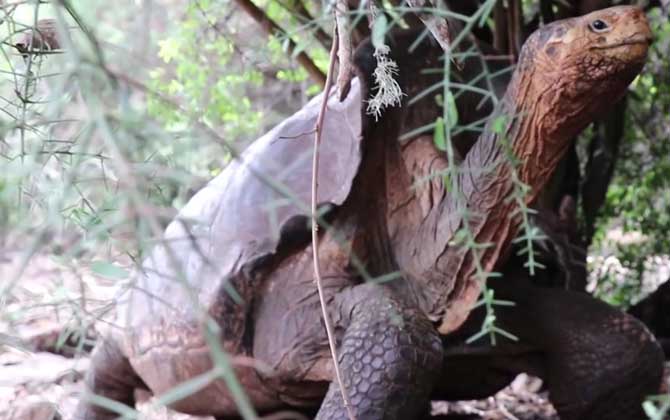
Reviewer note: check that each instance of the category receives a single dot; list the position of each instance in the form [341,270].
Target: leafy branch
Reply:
[520,190]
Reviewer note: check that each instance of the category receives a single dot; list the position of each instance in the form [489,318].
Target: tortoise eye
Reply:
[599,26]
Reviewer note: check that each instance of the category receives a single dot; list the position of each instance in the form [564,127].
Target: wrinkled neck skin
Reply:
[543,113]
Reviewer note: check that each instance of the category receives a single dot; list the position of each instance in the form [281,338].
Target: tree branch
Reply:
[500,37]
[514,27]
[272,28]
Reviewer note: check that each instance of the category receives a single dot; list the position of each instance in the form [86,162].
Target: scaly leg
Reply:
[110,376]
[390,356]
[599,362]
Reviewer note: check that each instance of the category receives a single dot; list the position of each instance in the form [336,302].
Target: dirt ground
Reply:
[43,386]
[36,384]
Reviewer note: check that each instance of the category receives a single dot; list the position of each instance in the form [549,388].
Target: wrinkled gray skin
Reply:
[240,251]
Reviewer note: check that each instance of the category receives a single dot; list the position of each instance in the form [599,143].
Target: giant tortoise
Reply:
[234,270]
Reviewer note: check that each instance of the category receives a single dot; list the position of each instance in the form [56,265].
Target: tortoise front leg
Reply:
[110,376]
[599,362]
[390,356]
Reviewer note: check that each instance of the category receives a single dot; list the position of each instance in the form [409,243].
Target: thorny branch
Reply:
[437,25]
[315,226]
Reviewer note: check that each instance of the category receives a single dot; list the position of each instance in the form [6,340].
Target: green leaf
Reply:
[459,237]
[387,277]
[168,49]
[188,388]
[499,123]
[485,11]
[109,270]
[452,110]
[379,29]
[438,136]
[111,405]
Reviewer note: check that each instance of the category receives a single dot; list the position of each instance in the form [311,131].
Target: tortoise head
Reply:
[572,70]
[601,44]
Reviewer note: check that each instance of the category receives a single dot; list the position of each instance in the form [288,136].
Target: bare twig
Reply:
[345,71]
[437,25]
[272,28]
[315,227]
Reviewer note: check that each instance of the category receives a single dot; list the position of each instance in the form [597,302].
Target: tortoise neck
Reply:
[448,276]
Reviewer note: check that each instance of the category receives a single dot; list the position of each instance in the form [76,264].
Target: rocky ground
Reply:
[38,384]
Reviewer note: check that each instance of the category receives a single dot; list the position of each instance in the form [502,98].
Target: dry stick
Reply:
[315,227]
[345,71]
[437,25]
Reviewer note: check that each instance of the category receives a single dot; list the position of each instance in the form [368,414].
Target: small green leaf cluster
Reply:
[201,69]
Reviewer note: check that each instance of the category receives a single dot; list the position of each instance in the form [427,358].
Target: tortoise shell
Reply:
[240,218]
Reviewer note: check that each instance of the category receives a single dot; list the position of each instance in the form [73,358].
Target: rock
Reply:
[41,368]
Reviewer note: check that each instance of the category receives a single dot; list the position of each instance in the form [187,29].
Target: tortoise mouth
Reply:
[645,40]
